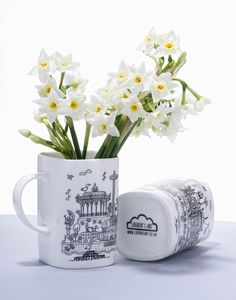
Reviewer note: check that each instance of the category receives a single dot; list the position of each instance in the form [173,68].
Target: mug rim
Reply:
[58,156]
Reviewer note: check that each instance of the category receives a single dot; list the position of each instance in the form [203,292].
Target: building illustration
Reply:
[191,220]
[90,231]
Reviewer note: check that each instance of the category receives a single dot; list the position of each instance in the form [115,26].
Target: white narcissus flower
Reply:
[75,82]
[188,107]
[174,123]
[104,125]
[74,105]
[201,103]
[162,85]
[50,106]
[168,44]
[172,130]
[45,66]
[116,100]
[107,90]
[123,94]
[157,117]
[133,109]
[149,42]
[65,63]
[45,89]
[142,129]
[123,73]
[97,106]
[138,79]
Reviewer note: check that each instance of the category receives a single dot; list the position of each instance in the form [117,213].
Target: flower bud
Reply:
[39,117]
[25,132]
[35,139]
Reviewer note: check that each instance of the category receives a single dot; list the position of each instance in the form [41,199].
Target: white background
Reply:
[99,34]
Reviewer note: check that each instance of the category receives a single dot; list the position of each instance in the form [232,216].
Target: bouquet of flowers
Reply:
[134,100]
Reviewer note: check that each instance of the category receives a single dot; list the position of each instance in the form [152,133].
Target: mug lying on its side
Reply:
[160,219]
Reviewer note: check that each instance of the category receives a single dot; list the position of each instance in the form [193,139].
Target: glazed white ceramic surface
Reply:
[160,219]
[77,210]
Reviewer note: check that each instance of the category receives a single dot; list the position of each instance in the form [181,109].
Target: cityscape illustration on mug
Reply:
[90,231]
[192,206]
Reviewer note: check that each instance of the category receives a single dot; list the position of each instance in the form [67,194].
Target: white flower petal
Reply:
[112,130]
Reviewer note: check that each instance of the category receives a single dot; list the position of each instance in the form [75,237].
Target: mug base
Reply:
[79,265]
[145,226]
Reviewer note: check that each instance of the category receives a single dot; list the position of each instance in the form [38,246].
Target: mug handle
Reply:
[17,201]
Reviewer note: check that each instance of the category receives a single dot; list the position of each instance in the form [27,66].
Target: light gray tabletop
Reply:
[207,271]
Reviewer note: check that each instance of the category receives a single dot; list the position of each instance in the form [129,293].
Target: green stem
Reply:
[103,147]
[59,139]
[120,123]
[183,101]
[122,142]
[184,84]
[195,94]
[180,81]
[66,128]
[38,140]
[157,62]
[86,140]
[63,133]
[70,124]
[105,143]
[150,105]
[61,81]
[74,137]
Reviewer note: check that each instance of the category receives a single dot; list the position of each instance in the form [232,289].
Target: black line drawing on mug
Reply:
[104,176]
[88,255]
[68,195]
[88,171]
[191,206]
[84,189]
[70,176]
[90,232]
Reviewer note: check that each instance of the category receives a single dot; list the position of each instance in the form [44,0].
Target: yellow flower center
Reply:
[74,104]
[98,108]
[148,39]
[138,79]
[122,76]
[47,89]
[159,115]
[134,107]
[53,105]
[64,64]
[43,64]
[105,92]
[103,127]
[160,86]
[124,95]
[169,45]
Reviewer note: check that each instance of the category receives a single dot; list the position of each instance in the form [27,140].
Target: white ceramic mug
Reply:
[77,210]
[164,218]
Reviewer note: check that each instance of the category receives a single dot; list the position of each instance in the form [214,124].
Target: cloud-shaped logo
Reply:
[142,223]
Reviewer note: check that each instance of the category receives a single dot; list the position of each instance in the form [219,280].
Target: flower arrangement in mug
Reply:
[134,100]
